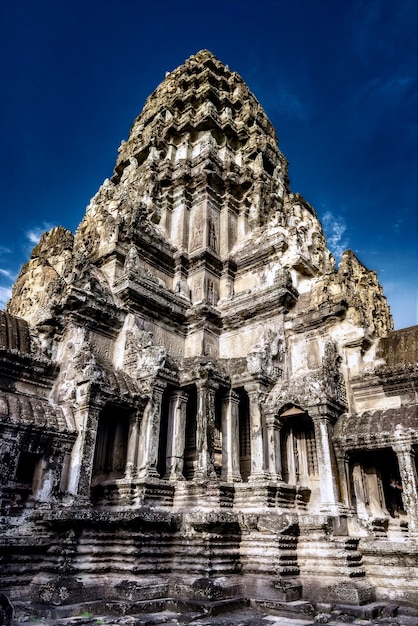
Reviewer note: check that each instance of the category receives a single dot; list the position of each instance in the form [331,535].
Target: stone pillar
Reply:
[179,229]
[326,465]
[343,463]
[150,434]
[230,438]
[407,468]
[176,435]
[205,427]
[224,229]
[274,463]
[81,467]
[291,454]
[132,450]
[257,435]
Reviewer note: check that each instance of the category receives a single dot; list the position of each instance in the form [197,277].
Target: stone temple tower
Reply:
[195,401]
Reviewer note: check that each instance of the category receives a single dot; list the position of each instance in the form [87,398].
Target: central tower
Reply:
[197,345]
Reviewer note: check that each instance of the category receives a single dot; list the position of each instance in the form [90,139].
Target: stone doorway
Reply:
[371,473]
[298,450]
[110,452]
[28,478]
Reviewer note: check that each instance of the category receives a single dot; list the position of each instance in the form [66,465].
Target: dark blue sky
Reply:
[337,78]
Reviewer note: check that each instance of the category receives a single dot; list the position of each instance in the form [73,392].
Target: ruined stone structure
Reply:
[194,400]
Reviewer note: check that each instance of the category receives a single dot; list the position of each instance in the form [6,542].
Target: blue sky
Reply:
[337,78]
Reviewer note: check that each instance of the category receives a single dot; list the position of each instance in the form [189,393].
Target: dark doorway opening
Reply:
[111,444]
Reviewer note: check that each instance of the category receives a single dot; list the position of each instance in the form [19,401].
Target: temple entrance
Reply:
[29,473]
[244,434]
[111,444]
[372,475]
[298,449]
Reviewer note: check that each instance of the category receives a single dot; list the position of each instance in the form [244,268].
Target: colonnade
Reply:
[144,457]
[146,461]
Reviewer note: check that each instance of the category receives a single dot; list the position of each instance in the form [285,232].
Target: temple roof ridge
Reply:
[201,94]
[203,53]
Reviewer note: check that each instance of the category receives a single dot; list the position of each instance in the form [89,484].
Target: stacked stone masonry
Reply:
[195,400]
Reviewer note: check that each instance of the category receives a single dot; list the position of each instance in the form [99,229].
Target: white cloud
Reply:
[334,228]
[378,86]
[290,103]
[397,226]
[395,84]
[7,274]
[6,289]
[5,295]
[34,234]
[4,250]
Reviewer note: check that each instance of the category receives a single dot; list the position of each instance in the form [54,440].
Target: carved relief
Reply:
[210,347]
[213,235]
[267,357]
[132,261]
[198,291]
[142,357]
[196,231]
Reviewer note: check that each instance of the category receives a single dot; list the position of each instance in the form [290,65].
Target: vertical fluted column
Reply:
[274,464]
[407,468]
[257,435]
[327,479]
[205,435]
[176,435]
[150,434]
[230,438]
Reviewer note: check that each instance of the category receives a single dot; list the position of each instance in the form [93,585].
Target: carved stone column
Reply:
[230,438]
[82,463]
[257,435]
[176,435]
[205,426]
[343,463]
[327,467]
[291,452]
[132,449]
[274,463]
[150,434]
[407,468]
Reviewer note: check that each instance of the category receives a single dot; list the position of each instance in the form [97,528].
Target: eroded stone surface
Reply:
[195,401]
